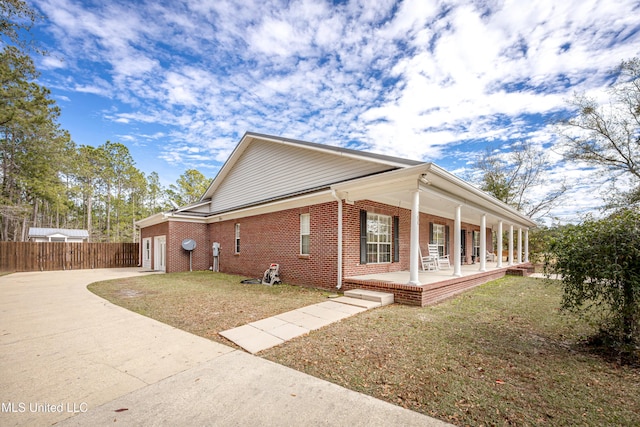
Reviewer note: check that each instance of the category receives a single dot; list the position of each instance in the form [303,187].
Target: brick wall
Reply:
[275,238]
[351,238]
[351,233]
[178,258]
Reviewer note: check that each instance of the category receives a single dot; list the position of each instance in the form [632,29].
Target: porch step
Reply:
[521,270]
[383,298]
[357,302]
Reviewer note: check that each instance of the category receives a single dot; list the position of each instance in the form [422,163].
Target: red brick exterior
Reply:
[423,295]
[351,238]
[178,258]
[275,238]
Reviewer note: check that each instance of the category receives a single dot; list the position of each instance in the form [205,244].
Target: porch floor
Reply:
[434,285]
[428,277]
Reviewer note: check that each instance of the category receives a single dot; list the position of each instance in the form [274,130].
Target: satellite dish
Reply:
[188,244]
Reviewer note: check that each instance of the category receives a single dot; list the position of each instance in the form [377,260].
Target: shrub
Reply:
[599,263]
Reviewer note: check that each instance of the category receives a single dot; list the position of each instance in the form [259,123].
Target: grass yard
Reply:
[500,354]
[204,303]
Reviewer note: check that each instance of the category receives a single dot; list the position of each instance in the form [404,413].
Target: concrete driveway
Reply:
[69,357]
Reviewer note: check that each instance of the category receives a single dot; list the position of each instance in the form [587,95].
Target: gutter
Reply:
[339,200]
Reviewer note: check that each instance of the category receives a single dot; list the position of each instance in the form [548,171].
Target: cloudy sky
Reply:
[180,82]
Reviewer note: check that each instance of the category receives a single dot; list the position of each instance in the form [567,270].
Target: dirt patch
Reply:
[129,293]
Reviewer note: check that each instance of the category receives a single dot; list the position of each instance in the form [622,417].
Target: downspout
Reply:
[139,230]
[339,200]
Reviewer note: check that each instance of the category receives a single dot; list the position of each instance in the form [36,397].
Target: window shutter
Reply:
[396,239]
[363,237]
[463,243]
[473,245]
[446,240]
[430,233]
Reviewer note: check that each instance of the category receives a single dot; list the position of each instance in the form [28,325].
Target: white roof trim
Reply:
[479,193]
[405,179]
[151,220]
[192,205]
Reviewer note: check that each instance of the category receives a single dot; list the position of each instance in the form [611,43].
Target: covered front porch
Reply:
[434,198]
[436,285]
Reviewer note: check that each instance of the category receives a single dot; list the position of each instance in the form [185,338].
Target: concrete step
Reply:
[383,298]
[358,302]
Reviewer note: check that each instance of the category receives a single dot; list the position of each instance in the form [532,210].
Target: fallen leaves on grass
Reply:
[493,358]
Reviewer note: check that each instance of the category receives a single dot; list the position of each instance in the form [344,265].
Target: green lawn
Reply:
[501,354]
[204,303]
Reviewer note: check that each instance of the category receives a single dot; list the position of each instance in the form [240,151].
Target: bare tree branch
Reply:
[609,135]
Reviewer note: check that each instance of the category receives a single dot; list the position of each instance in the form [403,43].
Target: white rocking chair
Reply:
[441,260]
[428,262]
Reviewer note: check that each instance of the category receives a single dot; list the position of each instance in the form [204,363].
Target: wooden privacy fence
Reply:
[47,256]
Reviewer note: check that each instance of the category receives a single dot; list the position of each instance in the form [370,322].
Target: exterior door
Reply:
[160,253]
[146,252]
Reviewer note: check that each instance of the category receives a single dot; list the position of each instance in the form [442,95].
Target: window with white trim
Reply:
[237,239]
[378,238]
[305,232]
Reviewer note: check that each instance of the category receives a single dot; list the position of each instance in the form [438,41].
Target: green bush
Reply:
[599,263]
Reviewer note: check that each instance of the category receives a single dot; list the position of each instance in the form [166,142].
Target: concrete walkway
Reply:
[272,331]
[72,358]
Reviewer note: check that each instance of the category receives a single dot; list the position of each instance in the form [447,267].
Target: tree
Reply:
[16,20]
[191,185]
[118,170]
[510,177]
[155,194]
[599,263]
[32,146]
[90,162]
[45,180]
[608,136]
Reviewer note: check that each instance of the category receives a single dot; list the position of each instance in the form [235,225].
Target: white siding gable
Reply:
[267,170]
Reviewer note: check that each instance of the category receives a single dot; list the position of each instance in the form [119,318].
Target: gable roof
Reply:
[261,168]
[266,174]
[69,232]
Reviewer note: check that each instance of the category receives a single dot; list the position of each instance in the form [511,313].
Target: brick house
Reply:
[325,213]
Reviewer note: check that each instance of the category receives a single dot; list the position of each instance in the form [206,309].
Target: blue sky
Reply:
[179,83]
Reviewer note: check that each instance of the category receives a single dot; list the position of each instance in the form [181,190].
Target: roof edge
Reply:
[486,196]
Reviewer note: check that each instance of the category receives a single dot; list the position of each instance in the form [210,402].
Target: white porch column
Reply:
[483,243]
[499,248]
[526,245]
[339,200]
[519,245]
[510,245]
[414,253]
[457,244]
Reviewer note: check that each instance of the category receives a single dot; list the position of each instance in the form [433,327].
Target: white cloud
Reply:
[52,61]
[416,78]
